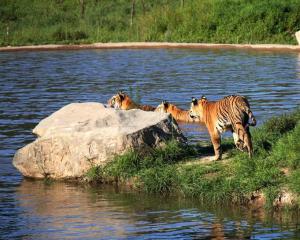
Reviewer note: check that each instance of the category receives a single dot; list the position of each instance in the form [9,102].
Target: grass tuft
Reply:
[94,174]
[162,179]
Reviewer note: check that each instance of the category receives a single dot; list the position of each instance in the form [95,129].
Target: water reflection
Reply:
[71,210]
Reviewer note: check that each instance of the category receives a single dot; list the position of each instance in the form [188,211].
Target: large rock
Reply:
[81,135]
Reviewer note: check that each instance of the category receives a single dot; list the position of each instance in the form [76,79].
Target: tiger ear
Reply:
[165,103]
[194,101]
[121,95]
[203,97]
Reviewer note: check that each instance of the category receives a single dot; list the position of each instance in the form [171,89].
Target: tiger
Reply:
[122,101]
[231,113]
[177,113]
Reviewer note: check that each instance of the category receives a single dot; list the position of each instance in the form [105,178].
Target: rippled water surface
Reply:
[35,84]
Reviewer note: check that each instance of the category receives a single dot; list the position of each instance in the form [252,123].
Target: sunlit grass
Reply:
[233,21]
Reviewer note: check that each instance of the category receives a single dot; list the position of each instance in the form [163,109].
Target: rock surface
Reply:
[82,135]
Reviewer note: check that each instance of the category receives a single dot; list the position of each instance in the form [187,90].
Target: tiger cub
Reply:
[177,113]
[123,101]
[231,113]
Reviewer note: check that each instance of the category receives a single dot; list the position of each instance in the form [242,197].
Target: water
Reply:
[35,84]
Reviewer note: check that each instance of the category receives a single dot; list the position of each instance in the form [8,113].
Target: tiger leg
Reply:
[216,141]
[238,142]
[243,134]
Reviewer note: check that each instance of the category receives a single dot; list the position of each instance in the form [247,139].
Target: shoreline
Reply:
[153,45]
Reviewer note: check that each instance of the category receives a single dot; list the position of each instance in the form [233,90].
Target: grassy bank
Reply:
[176,169]
[30,22]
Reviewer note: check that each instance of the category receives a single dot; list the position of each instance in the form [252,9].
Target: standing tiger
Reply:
[177,113]
[123,101]
[231,113]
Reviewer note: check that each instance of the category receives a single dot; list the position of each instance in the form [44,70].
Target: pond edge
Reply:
[153,45]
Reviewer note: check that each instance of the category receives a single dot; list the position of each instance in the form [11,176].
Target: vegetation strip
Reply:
[140,45]
[272,175]
[34,22]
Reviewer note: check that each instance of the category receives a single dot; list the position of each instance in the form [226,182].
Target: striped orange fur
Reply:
[124,102]
[177,113]
[231,113]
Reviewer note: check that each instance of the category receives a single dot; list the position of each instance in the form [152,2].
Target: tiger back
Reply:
[232,110]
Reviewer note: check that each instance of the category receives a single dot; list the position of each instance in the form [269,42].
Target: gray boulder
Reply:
[82,135]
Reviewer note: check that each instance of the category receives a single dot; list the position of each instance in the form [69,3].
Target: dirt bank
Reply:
[260,47]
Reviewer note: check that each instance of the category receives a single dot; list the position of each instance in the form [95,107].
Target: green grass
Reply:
[174,169]
[294,181]
[27,22]
[135,163]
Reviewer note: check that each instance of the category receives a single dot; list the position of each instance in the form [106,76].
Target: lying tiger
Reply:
[177,113]
[123,101]
[231,113]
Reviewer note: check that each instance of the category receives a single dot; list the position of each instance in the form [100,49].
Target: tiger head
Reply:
[117,101]
[196,110]
[163,107]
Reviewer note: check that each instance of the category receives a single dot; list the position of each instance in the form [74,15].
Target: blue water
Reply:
[35,84]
